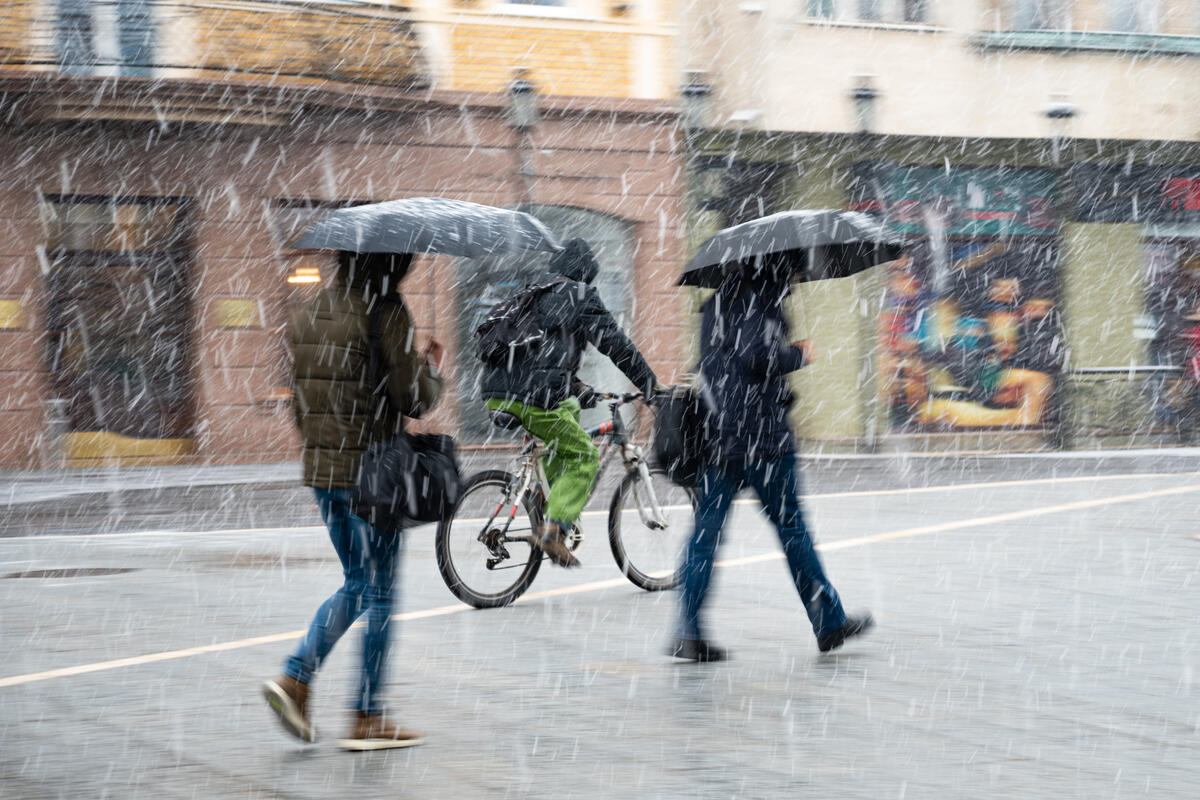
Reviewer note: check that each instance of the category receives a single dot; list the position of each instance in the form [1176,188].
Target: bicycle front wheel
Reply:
[486,549]
[647,548]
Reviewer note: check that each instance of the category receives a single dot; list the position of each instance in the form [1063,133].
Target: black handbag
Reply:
[407,479]
[679,435]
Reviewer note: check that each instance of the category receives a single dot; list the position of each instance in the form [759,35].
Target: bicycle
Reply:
[487,562]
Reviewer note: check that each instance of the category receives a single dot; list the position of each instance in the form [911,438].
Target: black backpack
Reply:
[679,435]
[512,328]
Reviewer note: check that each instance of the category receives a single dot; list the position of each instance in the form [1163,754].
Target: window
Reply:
[915,10]
[870,9]
[118,314]
[104,38]
[821,8]
[1039,15]
[1134,16]
[892,11]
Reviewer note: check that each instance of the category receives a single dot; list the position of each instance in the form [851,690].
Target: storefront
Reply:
[1156,208]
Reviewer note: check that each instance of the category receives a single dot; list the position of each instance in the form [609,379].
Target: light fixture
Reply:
[305,275]
[1059,107]
[522,101]
[1060,111]
[697,94]
[864,96]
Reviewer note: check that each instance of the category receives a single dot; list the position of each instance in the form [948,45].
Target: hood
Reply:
[575,261]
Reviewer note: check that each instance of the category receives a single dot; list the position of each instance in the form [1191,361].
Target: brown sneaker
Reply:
[373,732]
[554,545]
[288,698]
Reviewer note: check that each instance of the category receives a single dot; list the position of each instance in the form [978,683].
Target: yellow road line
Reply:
[150,658]
[1008,517]
[950,487]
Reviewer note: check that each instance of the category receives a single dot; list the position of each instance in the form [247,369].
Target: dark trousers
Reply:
[777,486]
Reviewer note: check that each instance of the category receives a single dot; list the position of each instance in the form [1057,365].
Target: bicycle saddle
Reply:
[505,420]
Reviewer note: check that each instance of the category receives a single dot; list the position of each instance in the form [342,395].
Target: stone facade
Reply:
[619,159]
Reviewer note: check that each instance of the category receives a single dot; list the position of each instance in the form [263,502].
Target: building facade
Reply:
[161,156]
[1040,159]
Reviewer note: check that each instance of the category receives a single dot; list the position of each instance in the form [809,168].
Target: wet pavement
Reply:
[1037,637]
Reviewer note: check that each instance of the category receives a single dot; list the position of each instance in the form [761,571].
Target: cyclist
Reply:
[540,388]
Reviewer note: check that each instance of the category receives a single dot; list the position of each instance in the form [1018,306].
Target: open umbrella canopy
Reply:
[428,225]
[812,244]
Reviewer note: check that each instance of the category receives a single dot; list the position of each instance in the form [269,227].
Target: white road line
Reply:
[440,611]
[952,487]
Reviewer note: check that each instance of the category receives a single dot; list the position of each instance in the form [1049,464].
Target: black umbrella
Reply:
[812,245]
[428,225]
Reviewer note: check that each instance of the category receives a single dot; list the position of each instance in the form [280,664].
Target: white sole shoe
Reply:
[362,745]
[288,712]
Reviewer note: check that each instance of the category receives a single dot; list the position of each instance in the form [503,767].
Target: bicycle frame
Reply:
[613,433]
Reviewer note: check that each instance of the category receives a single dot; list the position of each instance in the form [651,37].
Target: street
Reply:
[1036,637]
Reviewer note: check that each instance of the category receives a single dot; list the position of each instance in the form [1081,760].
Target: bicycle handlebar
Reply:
[617,397]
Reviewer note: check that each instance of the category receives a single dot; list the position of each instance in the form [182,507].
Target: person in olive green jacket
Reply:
[332,403]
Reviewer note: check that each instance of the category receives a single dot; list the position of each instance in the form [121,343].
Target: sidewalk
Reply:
[97,500]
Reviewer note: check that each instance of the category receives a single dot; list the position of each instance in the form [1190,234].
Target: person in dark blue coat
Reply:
[745,358]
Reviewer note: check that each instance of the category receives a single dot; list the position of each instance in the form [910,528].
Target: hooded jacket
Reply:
[572,316]
[745,358]
[330,396]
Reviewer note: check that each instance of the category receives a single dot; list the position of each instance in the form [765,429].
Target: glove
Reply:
[585,394]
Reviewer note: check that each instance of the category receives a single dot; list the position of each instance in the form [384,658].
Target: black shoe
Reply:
[697,650]
[855,625]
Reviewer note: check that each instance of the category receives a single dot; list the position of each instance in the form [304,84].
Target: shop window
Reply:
[1172,325]
[300,274]
[119,314]
[970,332]
[740,190]
[483,282]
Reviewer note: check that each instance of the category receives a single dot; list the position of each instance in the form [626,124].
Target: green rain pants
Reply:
[571,459]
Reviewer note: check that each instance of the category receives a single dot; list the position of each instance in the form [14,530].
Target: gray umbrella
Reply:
[428,225]
[812,244]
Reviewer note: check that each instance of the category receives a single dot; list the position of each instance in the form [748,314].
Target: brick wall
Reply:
[337,42]
[16,31]
[561,60]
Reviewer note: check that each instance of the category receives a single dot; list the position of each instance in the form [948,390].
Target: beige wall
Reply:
[1103,293]
[798,74]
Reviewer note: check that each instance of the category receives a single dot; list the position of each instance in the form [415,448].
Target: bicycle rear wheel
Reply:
[486,549]
[649,554]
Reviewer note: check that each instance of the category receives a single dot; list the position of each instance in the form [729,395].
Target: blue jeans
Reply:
[778,489]
[369,559]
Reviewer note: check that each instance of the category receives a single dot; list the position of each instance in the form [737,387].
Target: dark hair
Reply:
[380,272]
